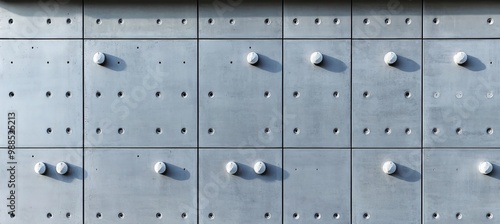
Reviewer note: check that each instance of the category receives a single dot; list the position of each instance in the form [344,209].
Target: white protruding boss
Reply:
[259,167]
[40,168]
[231,168]
[160,167]
[62,168]
[485,168]
[460,58]
[99,58]
[390,58]
[316,58]
[389,167]
[252,58]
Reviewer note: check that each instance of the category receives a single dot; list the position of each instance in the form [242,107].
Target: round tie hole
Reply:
[120,131]
[408,21]
[295,216]
[11,94]
[459,216]
[267,21]
[489,215]
[296,94]
[366,131]
[407,94]
[336,215]
[211,94]
[317,216]
[489,131]
[231,21]
[184,21]
[435,215]
[48,94]
[366,94]
[158,215]
[68,94]
[336,94]
[49,215]
[11,21]
[388,131]
[98,131]
[98,215]
[408,131]
[435,131]
[158,94]
[267,130]
[267,215]
[317,21]
[120,21]
[68,21]
[98,94]
[336,131]
[211,131]
[295,21]
[49,21]
[68,215]
[336,21]
[49,131]
[184,215]
[120,215]
[366,216]
[68,131]
[184,94]
[490,21]
[120,94]
[211,21]
[12,215]
[387,21]
[435,21]
[98,21]
[158,131]
[366,21]
[267,94]
[459,131]
[211,215]
[158,21]
[183,131]
[296,131]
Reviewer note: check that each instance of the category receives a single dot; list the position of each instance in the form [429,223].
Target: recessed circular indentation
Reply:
[435,21]
[184,94]
[436,95]
[184,215]
[387,21]
[12,215]
[98,131]
[158,94]
[407,94]
[68,94]
[489,94]
[68,215]
[295,215]
[459,215]
[336,21]
[296,94]
[317,216]
[336,215]
[211,94]
[184,21]
[490,21]
[158,21]
[435,215]
[489,215]
[49,131]
[336,131]
[267,130]
[120,21]
[267,21]
[98,21]
[68,131]
[336,94]
[48,62]
[267,215]
[120,131]
[49,215]
[459,95]
[296,131]
[459,131]
[267,94]
[11,21]
[68,21]
[120,215]
[435,131]
[489,131]
[211,131]
[98,215]
[366,21]
[408,131]
[120,94]
[183,131]
[366,94]
[388,131]
[211,21]
[48,94]
[49,21]
[408,21]
[317,21]
[295,21]
[231,21]
[98,94]
[211,215]
[158,131]
[366,215]
[11,94]
[366,131]
[158,215]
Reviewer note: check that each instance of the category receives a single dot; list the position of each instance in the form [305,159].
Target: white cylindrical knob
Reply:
[485,168]
[316,58]
[389,167]
[390,58]
[259,167]
[62,168]
[99,58]
[460,58]
[231,168]
[252,58]
[160,167]
[40,168]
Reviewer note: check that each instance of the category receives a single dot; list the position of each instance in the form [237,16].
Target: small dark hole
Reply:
[210,94]
[336,94]
[267,215]
[68,94]
[49,215]
[435,20]
[120,215]
[317,216]
[211,215]
[336,215]
[183,131]
[49,131]
[184,94]
[366,94]
[158,131]
[48,94]
[267,21]
[366,216]
[120,21]
[158,94]
[68,131]
[98,94]
[68,215]
[295,215]
[98,215]
[336,131]
[435,215]
[211,21]
[296,131]
[211,131]
[68,21]
[267,94]
[12,215]
[98,131]
[11,21]
[435,130]
[120,94]
[98,21]
[295,21]
[120,131]
[11,94]
[158,21]
[49,21]
[158,215]
[184,215]
[296,94]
